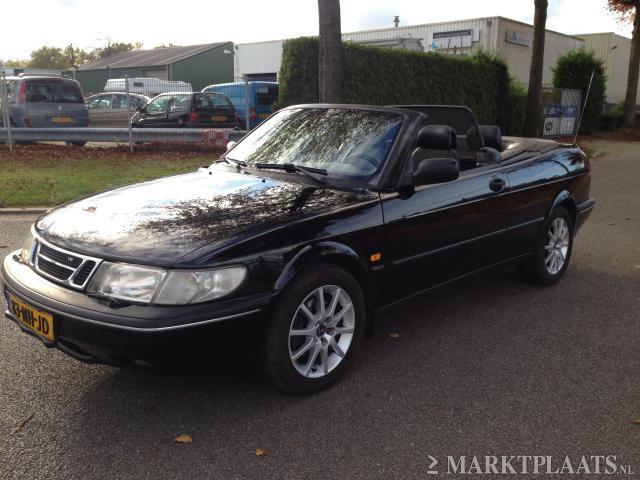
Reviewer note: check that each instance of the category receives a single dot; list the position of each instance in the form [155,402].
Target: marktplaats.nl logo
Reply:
[528,465]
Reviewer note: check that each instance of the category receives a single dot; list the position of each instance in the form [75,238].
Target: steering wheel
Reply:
[370,159]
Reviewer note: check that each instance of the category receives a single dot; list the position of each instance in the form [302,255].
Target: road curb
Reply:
[24,211]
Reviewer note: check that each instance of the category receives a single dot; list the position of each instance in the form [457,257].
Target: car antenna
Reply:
[584,106]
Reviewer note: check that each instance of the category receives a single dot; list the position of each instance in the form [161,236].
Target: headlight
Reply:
[27,248]
[181,287]
[175,287]
[126,282]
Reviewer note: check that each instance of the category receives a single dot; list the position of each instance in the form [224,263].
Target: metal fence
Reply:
[131,110]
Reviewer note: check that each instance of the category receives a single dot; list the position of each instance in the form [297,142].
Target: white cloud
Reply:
[87,23]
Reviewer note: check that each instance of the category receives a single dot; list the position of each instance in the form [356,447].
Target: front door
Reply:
[444,231]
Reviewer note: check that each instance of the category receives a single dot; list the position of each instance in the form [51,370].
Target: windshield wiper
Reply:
[235,163]
[313,173]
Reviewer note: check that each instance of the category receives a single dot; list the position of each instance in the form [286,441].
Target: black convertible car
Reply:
[287,245]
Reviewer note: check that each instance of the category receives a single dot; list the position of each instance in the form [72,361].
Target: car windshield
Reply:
[348,144]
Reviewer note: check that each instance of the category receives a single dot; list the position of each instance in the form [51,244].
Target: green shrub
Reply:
[613,118]
[384,76]
[573,70]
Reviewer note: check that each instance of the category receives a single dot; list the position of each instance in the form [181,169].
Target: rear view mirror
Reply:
[230,145]
[436,170]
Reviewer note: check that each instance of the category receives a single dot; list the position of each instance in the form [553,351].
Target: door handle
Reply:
[497,184]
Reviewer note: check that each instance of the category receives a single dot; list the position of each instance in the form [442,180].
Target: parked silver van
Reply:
[45,102]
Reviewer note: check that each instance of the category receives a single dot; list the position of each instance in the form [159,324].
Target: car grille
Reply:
[62,266]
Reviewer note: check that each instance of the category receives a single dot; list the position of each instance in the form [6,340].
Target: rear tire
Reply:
[315,330]
[553,250]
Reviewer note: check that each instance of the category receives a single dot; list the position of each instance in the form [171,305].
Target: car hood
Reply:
[159,222]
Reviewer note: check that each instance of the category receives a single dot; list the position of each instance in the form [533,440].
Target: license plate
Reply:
[61,119]
[218,118]
[264,115]
[35,320]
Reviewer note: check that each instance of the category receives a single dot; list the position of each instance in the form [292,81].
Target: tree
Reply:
[574,70]
[330,51]
[629,11]
[49,57]
[76,56]
[532,114]
[115,47]
[17,63]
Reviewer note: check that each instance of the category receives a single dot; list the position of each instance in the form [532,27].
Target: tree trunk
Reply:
[532,114]
[330,51]
[634,69]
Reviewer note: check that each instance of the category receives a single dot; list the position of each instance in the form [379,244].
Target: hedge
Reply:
[384,76]
[573,70]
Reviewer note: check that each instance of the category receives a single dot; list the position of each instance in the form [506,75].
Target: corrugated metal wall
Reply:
[518,57]
[261,57]
[484,36]
[616,62]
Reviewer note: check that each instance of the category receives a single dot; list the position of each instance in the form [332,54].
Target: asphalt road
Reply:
[492,366]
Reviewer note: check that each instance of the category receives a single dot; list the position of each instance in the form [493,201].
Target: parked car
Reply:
[194,110]
[260,96]
[287,245]
[45,102]
[149,87]
[111,109]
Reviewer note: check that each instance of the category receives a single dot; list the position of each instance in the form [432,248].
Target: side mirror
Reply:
[436,170]
[230,145]
[140,109]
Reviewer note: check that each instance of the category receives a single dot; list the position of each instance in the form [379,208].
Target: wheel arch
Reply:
[564,199]
[338,254]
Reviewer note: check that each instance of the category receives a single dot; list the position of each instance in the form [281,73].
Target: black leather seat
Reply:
[435,141]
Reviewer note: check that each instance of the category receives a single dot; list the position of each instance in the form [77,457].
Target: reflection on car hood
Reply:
[158,222]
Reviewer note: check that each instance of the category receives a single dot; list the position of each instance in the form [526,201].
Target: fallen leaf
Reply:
[184,438]
[394,335]
[4,246]
[22,424]
[261,452]
[636,421]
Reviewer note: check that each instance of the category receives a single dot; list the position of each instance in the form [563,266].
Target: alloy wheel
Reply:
[321,331]
[557,246]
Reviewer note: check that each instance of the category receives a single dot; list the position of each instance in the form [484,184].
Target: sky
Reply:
[89,23]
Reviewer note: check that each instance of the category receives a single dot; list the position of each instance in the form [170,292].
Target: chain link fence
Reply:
[85,110]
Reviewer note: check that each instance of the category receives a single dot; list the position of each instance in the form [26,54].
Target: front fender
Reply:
[339,254]
[323,251]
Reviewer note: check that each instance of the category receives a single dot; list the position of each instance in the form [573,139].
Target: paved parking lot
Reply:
[492,366]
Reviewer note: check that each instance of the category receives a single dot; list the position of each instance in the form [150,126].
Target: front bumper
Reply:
[143,335]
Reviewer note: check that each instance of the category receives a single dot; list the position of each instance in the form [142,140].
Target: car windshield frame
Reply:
[396,129]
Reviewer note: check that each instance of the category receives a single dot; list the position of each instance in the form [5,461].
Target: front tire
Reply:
[315,330]
[553,250]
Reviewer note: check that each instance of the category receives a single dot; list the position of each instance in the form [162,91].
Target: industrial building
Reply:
[510,39]
[614,51]
[199,65]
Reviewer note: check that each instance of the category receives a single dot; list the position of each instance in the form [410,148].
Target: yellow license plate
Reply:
[62,120]
[218,118]
[35,320]
[264,115]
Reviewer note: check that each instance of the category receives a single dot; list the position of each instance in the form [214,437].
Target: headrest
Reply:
[492,137]
[437,137]
[474,140]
